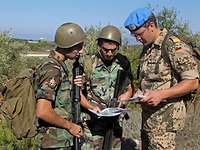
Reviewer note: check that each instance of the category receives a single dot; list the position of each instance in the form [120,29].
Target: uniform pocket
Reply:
[171,117]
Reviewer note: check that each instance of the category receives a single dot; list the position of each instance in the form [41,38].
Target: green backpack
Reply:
[18,108]
[19,105]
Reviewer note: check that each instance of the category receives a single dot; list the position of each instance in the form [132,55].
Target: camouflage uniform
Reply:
[53,84]
[101,85]
[160,123]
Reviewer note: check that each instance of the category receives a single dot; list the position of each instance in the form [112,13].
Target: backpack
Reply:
[18,108]
[192,98]
[19,105]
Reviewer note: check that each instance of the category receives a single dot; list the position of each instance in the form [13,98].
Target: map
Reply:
[110,112]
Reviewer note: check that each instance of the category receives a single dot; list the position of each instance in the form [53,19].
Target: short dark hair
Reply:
[153,19]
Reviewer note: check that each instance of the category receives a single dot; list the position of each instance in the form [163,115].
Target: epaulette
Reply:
[174,39]
[177,42]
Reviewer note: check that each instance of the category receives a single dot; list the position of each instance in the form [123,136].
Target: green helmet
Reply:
[110,33]
[68,35]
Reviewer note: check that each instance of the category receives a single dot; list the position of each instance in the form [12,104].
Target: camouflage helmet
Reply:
[68,35]
[110,33]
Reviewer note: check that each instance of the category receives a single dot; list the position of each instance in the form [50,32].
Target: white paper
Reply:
[136,98]
[110,112]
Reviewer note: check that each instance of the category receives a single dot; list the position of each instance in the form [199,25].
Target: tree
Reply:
[10,60]
[92,33]
[168,19]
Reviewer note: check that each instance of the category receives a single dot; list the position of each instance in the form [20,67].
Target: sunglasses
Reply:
[138,34]
[112,50]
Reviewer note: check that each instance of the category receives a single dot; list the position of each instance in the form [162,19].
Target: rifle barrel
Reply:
[76,103]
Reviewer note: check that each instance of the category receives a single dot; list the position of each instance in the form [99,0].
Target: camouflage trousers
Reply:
[94,131]
[160,125]
[161,140]
[54,138]
[69,148]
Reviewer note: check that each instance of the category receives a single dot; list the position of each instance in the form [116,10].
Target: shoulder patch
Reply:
[178,48]
[52,83]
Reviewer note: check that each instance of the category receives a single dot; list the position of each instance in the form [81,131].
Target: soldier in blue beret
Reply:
[164,81]
[137,18]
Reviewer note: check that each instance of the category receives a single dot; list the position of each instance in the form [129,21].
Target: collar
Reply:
[61,63]
[158,42]
[53,55]
[100,62]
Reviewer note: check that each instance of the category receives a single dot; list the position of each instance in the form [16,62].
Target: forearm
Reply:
[182,88]
[45,112]
[128,93]
[85,103]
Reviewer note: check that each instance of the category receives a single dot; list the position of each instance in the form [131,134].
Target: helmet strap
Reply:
[106,62]
[61,51]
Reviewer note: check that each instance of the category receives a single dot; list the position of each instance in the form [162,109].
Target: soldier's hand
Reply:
[123,100]
[78,81]
[96,108]
[75,129]
[152,97]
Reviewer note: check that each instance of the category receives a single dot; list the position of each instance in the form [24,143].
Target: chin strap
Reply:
[106,62]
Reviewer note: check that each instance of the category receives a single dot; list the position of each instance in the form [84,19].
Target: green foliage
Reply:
[32,62]
[132,53]
[9,142]
[196,38]
[168,19]
[92,33]
[40,45]
[10,62]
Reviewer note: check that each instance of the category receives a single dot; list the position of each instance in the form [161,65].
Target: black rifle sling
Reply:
[61,64]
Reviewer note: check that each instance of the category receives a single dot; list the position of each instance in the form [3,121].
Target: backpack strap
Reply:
[165,54]
[125,64]
[164,51]
[139,65]
[61,64]
[196,52]
[55,62]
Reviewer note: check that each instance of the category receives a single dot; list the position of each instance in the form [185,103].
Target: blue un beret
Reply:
[137,18]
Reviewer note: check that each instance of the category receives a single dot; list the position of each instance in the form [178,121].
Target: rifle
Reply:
[107,143]
[76,103]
